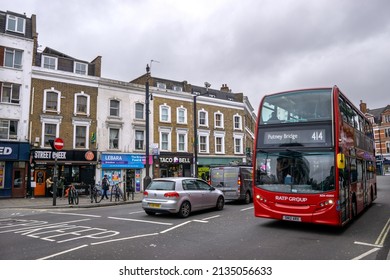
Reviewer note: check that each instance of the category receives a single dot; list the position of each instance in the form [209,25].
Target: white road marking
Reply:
[63,252]
[75,214]
[200,221]
[136,212]
[378,243]
[245,209]
[141,221]
[382,236]
[124,238]
[368,244]
[366,253]
[175,227]
[213,217]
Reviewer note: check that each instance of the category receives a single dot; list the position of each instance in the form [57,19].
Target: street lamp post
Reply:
[207,85]
[147,178]
[195,139]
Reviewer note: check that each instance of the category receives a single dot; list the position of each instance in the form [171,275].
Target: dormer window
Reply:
[161,85]
[177,88]
[49,62]
[16,24]
[80,68]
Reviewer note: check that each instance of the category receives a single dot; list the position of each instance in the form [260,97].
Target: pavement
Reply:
[49,203]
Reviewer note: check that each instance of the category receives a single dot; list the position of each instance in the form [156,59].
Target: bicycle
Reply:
[116,191]
[96,194]
[73,195]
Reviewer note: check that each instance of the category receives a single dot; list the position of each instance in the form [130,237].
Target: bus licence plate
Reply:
[155,205]
[292,218]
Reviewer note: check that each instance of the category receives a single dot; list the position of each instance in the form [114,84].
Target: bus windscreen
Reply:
[297,106]
[295,172]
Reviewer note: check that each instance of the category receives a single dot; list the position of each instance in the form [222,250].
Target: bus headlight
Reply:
[261,199]
[326,203]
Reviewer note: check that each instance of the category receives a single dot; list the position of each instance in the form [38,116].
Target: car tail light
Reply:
[172,194]
[239,180]
[146,194]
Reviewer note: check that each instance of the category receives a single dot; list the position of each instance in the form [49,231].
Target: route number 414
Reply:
[317,136]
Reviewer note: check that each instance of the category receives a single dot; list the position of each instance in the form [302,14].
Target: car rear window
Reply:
[225,176]
[162,185]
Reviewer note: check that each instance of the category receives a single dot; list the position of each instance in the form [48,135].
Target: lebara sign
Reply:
[123,161]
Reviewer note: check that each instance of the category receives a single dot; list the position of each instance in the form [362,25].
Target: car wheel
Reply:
[220,203]
[247,198]
[185,209]
[151,213]
[354,210]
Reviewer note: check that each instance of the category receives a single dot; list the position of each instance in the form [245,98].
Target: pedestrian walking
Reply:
[105,186]
[49,187]
[60,187]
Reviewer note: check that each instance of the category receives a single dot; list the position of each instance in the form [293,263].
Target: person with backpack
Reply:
[105,186]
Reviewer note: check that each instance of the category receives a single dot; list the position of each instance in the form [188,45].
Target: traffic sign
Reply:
[58,144]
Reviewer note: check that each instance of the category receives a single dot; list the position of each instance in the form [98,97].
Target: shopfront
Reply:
[125,169]
[173,165]
[14,160]
[75,167]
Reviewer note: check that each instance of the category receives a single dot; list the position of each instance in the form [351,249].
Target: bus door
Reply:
[344,192]
[365,185]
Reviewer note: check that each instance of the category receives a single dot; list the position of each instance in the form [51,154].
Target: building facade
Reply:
[17,37]
[380,118]
[121,133]
[220,123]
[49,95]
[63,105]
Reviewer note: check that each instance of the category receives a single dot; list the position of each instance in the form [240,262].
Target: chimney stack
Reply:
[225,88]
[363,107]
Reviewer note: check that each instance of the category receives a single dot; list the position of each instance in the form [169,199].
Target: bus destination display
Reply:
[298,136]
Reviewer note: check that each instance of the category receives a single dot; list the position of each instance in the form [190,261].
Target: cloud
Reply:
[256,47]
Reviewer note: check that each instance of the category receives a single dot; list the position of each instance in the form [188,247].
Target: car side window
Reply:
[202,186]
[189,185]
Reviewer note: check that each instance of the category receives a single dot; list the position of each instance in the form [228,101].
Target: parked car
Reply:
[234,181]
[181,195]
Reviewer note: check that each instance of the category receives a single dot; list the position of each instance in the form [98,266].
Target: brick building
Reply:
[49,94]
[380,119]
[225,125]
[63,105]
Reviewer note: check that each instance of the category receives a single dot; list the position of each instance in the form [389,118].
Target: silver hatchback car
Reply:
[181,195]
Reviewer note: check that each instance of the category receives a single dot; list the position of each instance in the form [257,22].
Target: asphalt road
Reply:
[125,232]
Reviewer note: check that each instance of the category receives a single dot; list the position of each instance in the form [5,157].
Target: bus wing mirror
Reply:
[340,161]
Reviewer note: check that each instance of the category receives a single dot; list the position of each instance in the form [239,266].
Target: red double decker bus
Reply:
[314,158]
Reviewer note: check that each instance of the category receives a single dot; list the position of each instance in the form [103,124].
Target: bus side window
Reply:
[354,174]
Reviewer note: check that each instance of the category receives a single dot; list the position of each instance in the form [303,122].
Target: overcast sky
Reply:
[254,46]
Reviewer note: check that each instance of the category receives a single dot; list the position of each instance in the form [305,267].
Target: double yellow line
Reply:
[382,236]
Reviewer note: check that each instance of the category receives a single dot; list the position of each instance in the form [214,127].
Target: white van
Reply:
[234,181]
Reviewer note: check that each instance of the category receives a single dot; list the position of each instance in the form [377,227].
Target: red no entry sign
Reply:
[58,144]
